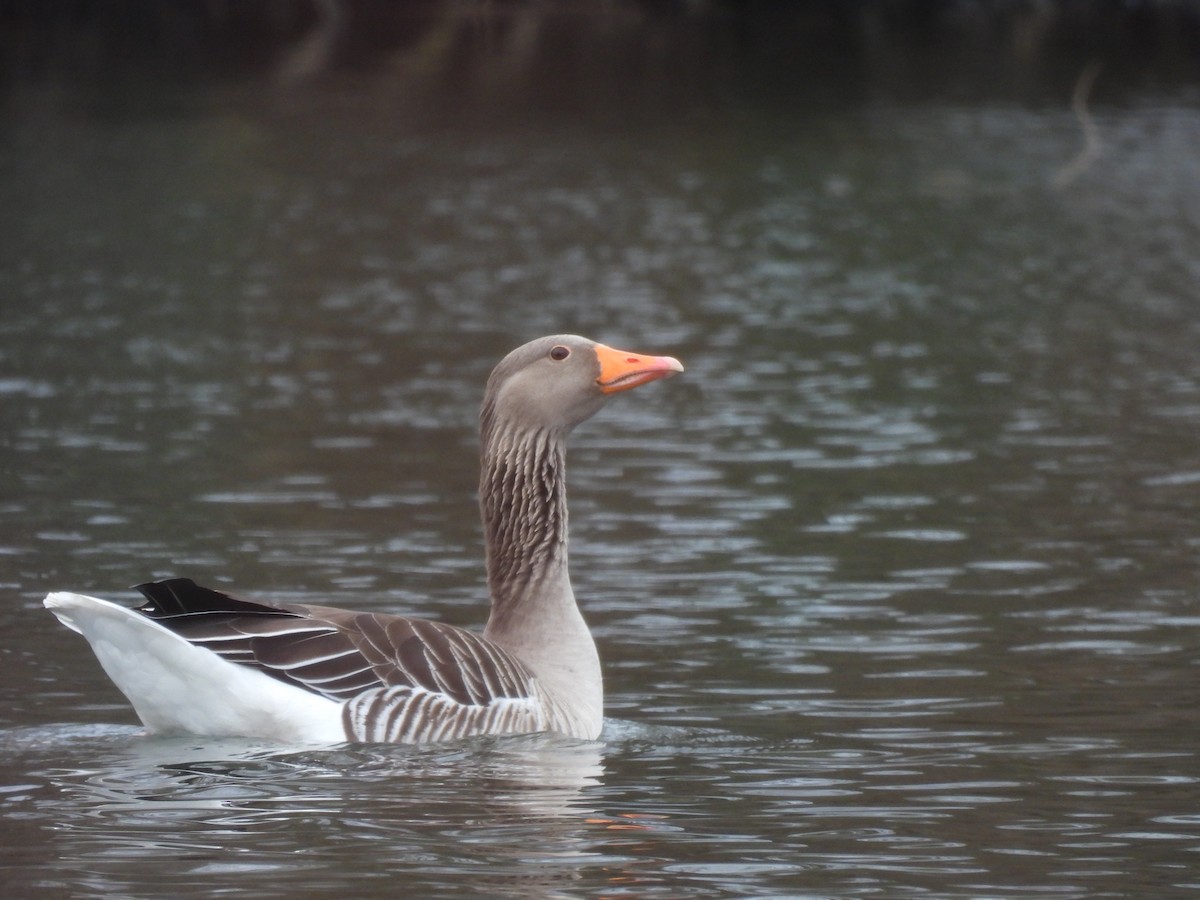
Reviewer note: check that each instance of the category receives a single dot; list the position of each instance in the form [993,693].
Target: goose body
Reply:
[198,661]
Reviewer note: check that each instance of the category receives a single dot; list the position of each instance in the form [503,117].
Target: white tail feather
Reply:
[176,687]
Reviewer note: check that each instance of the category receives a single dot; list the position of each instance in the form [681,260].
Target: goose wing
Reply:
[398,679]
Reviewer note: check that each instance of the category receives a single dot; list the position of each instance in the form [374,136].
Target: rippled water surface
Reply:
[896,587]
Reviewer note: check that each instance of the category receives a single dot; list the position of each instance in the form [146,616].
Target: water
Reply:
[895,588]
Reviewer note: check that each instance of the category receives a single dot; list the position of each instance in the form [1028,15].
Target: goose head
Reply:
[553,383]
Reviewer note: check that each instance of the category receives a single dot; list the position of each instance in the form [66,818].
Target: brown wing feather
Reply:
[342,654]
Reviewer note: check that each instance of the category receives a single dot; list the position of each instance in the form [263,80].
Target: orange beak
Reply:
[620,371]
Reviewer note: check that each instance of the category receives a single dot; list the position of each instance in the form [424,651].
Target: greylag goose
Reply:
[197,661]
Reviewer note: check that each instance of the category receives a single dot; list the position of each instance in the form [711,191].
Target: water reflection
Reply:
[233,809]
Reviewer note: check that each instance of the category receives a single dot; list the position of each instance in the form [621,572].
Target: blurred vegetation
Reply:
[837,51]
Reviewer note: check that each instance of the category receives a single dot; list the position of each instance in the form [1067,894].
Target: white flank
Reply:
[176,687]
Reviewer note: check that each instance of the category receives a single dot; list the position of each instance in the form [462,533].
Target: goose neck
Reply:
[524,507]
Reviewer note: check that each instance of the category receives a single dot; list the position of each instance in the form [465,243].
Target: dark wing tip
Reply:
[172,597]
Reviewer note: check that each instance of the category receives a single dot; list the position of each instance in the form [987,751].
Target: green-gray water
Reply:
[896,588]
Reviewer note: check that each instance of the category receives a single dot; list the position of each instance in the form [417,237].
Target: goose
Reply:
[197,661]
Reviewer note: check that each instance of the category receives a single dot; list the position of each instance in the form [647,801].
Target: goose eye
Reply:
[560,353]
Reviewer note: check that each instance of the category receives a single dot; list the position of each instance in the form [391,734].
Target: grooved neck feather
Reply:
[534,615]
[523,500]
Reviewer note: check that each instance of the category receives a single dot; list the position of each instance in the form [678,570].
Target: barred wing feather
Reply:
[400,679]
[413,715]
